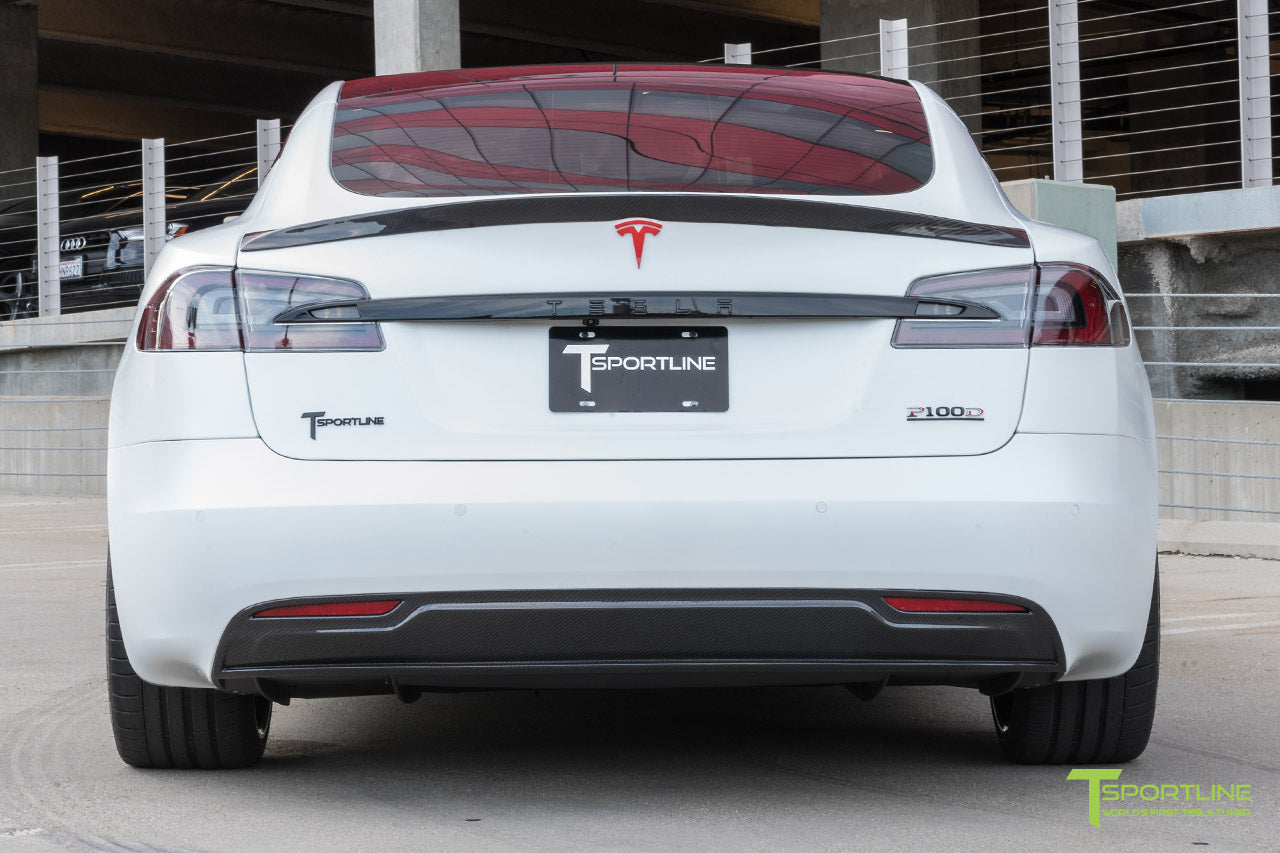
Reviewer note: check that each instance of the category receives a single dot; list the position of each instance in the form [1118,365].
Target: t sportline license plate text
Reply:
[639,369]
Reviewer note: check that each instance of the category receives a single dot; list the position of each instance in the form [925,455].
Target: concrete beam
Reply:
[637,30]
[107,325]
[19,128]
[804,13]
[125,117]
[1088,208]
[416,35]
[265,34]
[201,83]
[1191,214]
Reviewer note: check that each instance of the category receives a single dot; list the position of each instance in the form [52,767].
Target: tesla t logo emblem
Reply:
[638,229]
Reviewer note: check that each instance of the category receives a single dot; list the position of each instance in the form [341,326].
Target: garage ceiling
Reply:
[187,69]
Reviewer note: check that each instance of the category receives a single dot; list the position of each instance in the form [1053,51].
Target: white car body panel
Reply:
[1073,509]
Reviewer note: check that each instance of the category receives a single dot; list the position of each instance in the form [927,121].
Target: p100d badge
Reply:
[944,413]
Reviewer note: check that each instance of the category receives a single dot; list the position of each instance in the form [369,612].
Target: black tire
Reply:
[1102,721]
[17,297]
[178,727]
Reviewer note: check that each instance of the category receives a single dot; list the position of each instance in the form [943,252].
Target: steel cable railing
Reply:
[56,367]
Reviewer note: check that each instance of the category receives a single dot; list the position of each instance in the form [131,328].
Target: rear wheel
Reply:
[1101,721]
[178,727]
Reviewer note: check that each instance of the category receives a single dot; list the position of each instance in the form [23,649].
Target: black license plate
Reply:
[639,369]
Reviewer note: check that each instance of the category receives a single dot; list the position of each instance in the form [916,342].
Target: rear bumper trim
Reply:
[626,638]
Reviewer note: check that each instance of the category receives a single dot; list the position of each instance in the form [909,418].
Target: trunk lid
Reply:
[449,390]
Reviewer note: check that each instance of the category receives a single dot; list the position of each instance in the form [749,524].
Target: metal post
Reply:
[737,54]
[1255,94]
[893,49]
[153,184]
[1064,78]
[268,146]
[48,236]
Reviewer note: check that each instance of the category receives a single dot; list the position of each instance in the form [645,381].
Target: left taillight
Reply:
[214,308]
[194,310]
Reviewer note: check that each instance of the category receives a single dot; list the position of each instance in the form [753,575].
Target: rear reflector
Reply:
[340,608]
[952,605]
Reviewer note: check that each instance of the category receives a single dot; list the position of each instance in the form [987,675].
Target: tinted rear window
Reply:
[607,129]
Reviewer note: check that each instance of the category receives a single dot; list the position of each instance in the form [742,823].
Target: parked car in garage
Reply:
[100,240]
[630,376]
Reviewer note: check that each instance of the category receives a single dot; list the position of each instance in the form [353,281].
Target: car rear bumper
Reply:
[649,637]
[203,532]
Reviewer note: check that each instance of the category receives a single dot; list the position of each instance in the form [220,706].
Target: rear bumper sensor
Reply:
[635,638]
[718,210]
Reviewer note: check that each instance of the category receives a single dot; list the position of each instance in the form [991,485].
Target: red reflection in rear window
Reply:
[629,129]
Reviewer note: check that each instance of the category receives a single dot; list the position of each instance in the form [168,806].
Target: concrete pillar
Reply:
[19,115]
[930,61]
[416,35]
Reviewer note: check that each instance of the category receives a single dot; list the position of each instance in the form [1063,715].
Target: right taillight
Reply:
[1044,305]
[1075,307]
[208,309]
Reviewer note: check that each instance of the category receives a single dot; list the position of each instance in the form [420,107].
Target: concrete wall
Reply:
[1090,208]
[1237,422]
[55,387]
[1227,243]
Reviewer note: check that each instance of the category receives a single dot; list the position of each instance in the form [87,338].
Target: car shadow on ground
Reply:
[717,744]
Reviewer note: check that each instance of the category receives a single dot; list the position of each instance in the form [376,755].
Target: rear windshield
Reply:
[614,129]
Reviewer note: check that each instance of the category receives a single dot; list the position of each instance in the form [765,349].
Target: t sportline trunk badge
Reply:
[638,229]
[318,420]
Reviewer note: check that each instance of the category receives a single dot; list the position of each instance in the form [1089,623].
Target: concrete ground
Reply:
[795,769]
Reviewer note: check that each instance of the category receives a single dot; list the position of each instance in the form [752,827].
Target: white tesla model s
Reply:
[630,376]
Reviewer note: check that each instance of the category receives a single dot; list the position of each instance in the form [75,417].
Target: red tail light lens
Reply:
[952,605]
[210,309]
[1048,305]
[337,608]
[1075,307]
[194,309]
